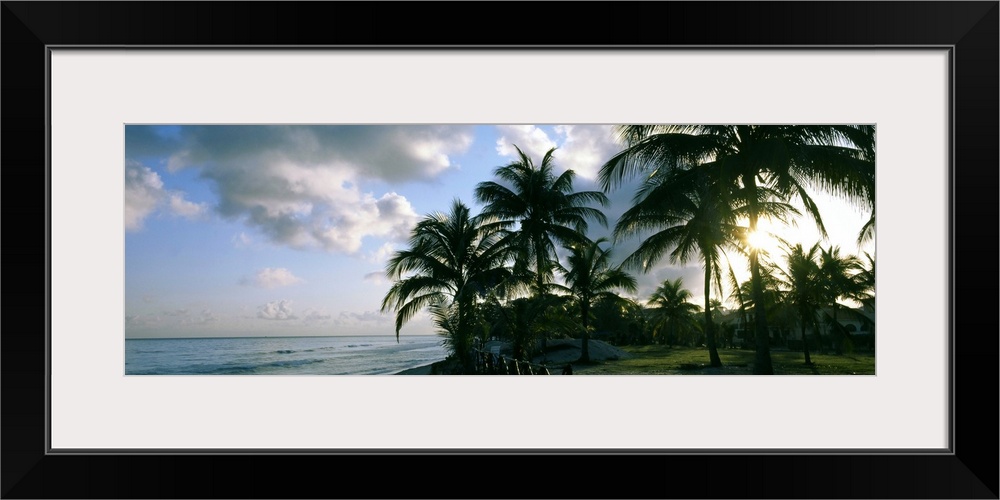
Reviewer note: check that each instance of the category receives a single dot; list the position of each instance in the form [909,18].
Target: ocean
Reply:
[370,355]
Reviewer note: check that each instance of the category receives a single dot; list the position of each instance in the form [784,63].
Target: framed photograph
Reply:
[226,183]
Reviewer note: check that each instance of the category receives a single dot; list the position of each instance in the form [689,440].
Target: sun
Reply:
[759,240]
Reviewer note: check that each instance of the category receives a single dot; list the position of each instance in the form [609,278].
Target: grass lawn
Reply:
[662,360]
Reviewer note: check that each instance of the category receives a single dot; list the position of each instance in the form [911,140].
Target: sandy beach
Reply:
[420,370]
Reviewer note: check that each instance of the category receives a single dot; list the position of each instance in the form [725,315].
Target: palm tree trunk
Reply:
[805,342]
[762,362]
[819,337]
[540,283]
[839,337]
[585,342]
[744,324]
[713,351]
[460,340]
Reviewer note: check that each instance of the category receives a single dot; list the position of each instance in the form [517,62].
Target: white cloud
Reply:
[184,208]
[432,150]
[585,148]
[143,192]
[134,321]
[272,278]
[383,253]
[299,185]
[342,227]
[177,161]
[386,152]
[581,148]
[348,317]
[279,310]
[206,316]
[532,140]
[241,240]
[312,315]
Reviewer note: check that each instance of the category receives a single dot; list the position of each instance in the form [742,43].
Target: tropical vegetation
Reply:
[526,269]
[788,160]
[591,279]
[453,258]
[536,210]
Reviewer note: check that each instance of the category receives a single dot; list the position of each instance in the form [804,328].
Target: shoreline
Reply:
[420,370]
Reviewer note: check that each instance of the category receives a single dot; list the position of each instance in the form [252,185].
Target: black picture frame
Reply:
[969,28]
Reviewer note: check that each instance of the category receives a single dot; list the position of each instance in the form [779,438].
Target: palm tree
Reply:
[742,295]
[622,316]
[537,209]
[867,232]
[865,280]
[691,213]
[804,288]
[790,159]
[452,259]
[838,275]
[446,317]
[589,279]
[864,290]
[519,321]
[672,309]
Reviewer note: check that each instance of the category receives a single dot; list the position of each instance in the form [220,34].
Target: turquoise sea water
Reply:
[371,355]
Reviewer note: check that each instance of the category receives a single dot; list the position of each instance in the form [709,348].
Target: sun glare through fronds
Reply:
[757,240]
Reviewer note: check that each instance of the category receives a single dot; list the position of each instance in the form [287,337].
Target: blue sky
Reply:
[250,230]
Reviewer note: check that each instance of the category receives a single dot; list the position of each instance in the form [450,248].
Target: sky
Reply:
[253,230]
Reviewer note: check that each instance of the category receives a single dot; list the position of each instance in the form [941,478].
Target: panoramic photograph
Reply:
[498,249]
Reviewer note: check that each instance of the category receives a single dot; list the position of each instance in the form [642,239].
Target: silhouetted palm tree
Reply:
[864,292]
[867,232]
[742,295]
[452,259]
[623,317]
[790,159]
[589,279]
[837,273]
[538,209]
[691,214]
[672,309]
[803,289]
[520,321]
[865,279]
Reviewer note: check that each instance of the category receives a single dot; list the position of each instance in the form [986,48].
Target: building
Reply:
[856,329]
